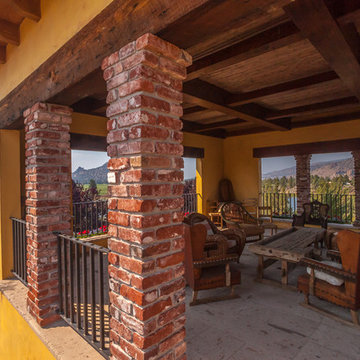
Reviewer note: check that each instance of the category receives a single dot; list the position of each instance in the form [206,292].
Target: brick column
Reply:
[48,164]
[302,180]
[356,156]
[144,80]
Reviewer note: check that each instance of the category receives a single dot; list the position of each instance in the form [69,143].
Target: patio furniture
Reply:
[235,216]
[338,284]
[204,272]
[288,246]
[315,213]
[234,238]
[266,215]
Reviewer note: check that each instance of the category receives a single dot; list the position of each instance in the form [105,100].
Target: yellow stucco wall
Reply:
[88,124]
[39,40]
[244,170]
[211,168]
[17,340]
[10,198]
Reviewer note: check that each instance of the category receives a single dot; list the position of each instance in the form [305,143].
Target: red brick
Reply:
[141,57]
[134,86]
[148,132]
[170,232]
[152,310]
[145,342]
[172,341]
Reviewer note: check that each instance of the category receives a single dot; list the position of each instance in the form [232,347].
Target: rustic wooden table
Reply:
[288,246]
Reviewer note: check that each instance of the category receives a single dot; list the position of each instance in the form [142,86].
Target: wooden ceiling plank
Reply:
[28,8]
[316,23]
[313,108]
[9,32]
[269,40]
[248,97]
[2,54]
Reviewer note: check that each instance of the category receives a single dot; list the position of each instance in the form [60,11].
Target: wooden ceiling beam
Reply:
[320,147]
[313,108]
[9,32]
[116,25]
[316,23]
[211,97]
[255,95]
[2,54]
[28,8]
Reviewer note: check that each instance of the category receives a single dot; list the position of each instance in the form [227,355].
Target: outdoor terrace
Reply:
[267,322]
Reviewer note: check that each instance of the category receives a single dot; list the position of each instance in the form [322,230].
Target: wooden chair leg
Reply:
[307,301]
[194,296]
[355,317]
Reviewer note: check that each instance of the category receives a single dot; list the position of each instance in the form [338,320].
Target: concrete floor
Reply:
[267,323]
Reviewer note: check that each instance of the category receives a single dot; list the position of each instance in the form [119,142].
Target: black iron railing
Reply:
[90,218]
[190,202]
[19,249]
[84,290]
[341,207]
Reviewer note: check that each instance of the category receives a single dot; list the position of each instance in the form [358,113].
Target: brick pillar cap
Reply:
[151,42]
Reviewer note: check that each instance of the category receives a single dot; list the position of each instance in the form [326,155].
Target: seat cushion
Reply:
[331,279]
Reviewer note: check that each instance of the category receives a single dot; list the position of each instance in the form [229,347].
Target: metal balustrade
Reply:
[84,290]
[19,249]
[341,206]
[90,218]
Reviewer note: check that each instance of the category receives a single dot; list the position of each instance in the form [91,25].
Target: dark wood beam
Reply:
[118,24]
[2,54]
[308,148]
[248,97]
[28,8]
[316,23]
[219,124]
[87,142]
[209,96]
[327,119]
[88,105]
[272,39]
[194,152]
[314,108]
[9,32]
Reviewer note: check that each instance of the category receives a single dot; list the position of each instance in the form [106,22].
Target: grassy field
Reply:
[102,188]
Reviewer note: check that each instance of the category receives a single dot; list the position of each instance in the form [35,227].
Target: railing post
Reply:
[48,180]
[144,80]
[302,180]
[356,157]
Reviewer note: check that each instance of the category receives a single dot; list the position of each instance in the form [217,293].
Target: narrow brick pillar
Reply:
[47,152]
[356,156]
[144,80]
[302,180]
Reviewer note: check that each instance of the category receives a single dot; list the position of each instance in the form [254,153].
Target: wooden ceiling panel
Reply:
[281,65]
[327,91]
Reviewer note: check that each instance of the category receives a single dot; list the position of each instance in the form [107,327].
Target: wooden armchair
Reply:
[235,238]
[343,288]
[315,213]
[235,216]
[204,272]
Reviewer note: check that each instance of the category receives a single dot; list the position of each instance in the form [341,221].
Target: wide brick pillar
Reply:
[48,178]
[302,180]
[356,157]
[144,80]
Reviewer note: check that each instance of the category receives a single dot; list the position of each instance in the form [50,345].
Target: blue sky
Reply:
[93,159]
[283,162]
